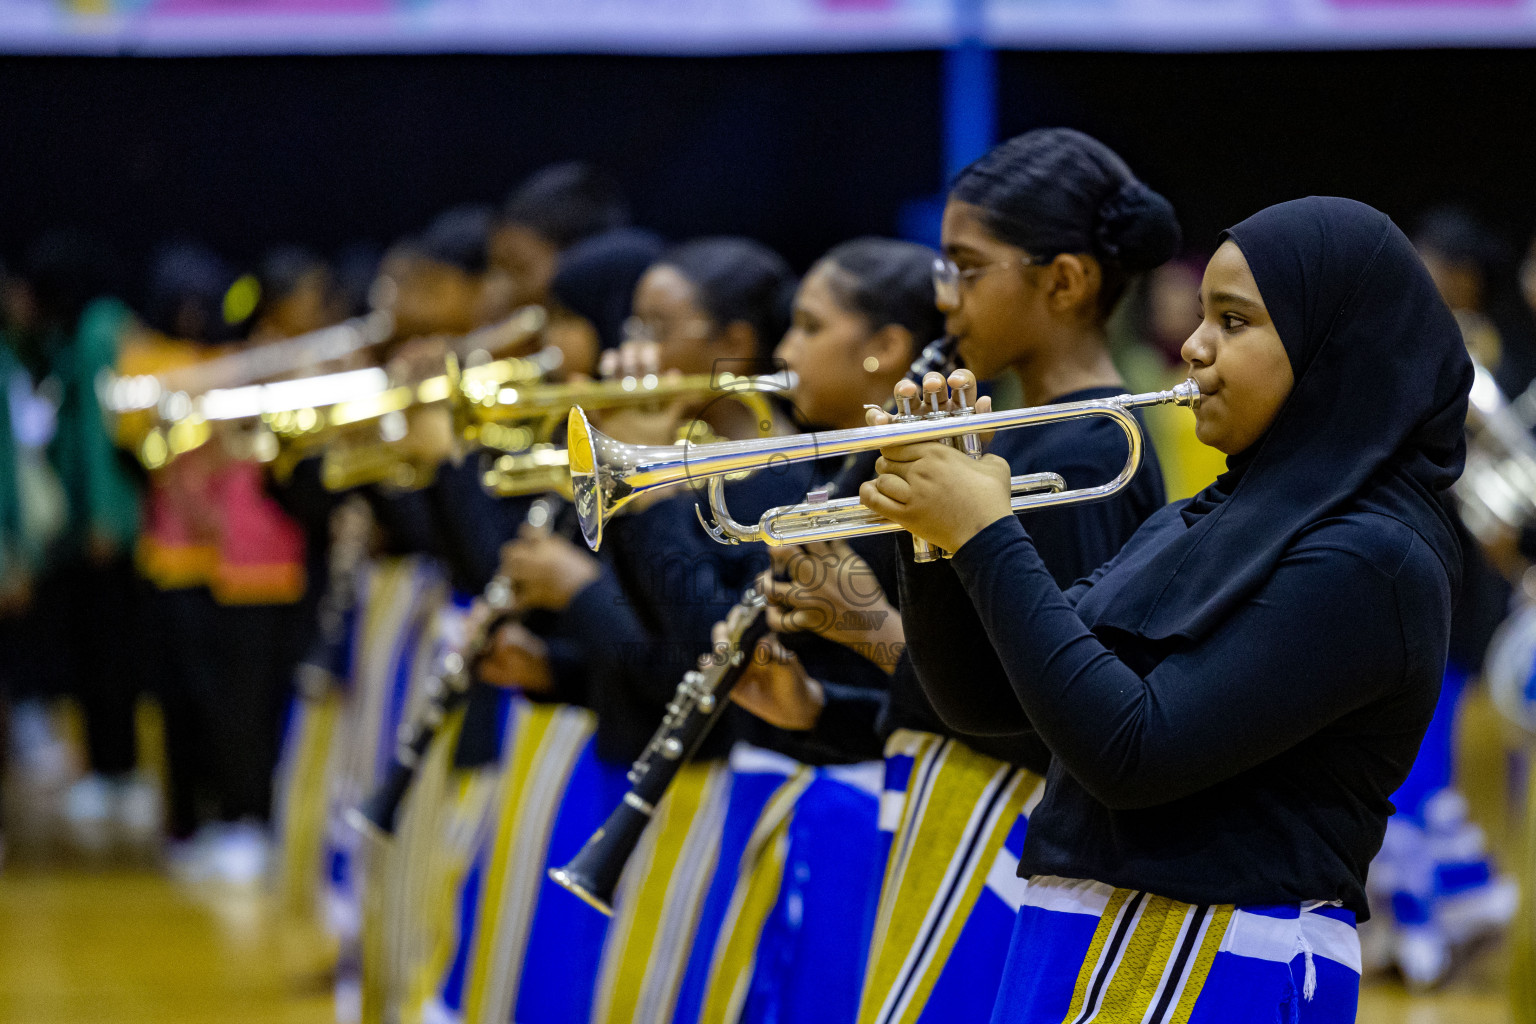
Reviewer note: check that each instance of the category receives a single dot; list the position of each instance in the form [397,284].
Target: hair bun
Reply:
[1137,228]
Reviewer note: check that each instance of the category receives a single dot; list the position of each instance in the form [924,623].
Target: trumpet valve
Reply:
[969,443]
[498,594]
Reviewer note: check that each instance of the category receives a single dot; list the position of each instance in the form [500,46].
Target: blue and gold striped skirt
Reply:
[1085,951]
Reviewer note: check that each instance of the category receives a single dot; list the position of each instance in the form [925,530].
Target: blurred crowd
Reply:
[153,623]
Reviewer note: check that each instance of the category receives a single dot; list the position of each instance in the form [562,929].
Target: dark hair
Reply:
[596,278]
[738,279]
[187,285]
[887,282]
[567,202]
[284,269]
[66,269]
[1459,237]
[1056,190]
[356,268]
[457,237]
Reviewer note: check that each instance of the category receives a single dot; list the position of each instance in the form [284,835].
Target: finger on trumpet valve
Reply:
[934,385]
[969,443]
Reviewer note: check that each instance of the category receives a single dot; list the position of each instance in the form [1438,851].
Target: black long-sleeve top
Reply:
[646,619]
[936,612]
[1251,766]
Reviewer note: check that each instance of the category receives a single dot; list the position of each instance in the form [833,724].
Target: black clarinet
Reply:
[318,672]
[701,698]
[444,692]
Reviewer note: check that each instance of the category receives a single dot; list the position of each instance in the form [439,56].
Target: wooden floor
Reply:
[79,946]
[92,945]
[128,947]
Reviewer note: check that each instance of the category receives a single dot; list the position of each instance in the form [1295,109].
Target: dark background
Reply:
[802,151]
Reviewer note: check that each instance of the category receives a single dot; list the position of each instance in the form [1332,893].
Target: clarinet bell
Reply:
[376,816]
[593,874]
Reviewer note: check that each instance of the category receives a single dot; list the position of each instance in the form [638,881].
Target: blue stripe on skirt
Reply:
[1292,964]
[565,941]
[750,793]
[811,959]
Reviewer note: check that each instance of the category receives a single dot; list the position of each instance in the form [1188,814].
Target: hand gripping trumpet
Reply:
[606,474]
[444,692]
[701,698]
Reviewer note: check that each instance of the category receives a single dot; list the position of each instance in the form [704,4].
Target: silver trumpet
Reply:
[1496,493]
[606,474]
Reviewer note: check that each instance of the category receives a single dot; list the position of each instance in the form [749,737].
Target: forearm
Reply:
[1208,710]
[952,653]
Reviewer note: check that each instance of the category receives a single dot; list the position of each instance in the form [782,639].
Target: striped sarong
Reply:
[1522,983]
[813,948]
[745,887]
[660,899]
[391,651]
[1085,951]
[302,796]
[565,943]
[951,892]
[542,746]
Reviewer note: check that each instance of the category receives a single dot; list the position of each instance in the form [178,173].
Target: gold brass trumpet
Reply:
[302,413]
[522,421]
[606,474]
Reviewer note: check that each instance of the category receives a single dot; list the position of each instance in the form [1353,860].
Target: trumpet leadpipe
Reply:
[606,473]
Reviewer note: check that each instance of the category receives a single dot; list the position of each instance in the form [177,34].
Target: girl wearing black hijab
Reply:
[1231,700]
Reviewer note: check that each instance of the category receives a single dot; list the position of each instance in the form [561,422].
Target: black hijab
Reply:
[1375,421]
[596,278]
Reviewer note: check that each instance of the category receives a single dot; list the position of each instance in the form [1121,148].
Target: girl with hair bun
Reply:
[1230,702]
[1040,238]
[786,931]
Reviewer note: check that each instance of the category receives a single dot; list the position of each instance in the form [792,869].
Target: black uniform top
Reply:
[1231,700]
[1253,766]
[934,607]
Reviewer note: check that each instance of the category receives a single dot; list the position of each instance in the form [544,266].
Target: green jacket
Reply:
[102,491]
[11,541]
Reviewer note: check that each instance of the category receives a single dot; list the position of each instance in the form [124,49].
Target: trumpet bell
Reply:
[586,489]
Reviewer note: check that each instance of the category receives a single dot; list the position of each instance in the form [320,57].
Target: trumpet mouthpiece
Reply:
[1187,393]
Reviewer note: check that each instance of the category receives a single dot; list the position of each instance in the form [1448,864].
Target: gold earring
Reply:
[871,364]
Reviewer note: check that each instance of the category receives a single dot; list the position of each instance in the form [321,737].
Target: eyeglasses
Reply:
[947,278]
[637,329]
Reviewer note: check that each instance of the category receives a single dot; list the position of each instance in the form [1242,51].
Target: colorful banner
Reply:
[745,26]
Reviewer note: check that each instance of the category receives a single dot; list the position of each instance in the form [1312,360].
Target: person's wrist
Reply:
[815,704]
[975,527]
[980,547]
[586,575]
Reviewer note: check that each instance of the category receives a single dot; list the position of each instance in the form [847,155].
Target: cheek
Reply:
[673,355]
